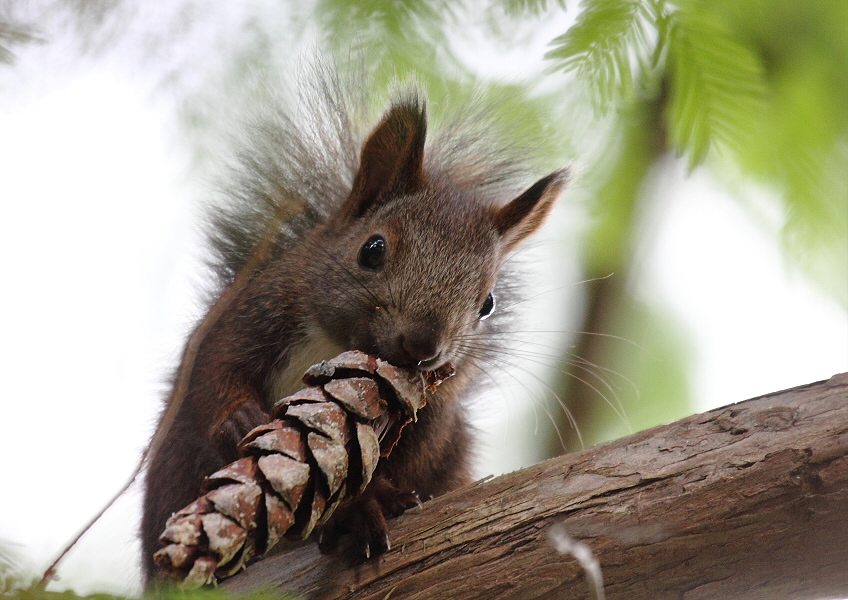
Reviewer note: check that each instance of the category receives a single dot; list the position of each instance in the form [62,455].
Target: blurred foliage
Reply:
[647,389]
[515,8]
[11,35]
[609,46]
[757,91]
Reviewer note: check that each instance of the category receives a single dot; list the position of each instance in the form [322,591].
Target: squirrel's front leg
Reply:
[232,426]
[239,410]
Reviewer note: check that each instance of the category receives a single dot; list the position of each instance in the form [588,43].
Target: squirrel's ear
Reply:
[525,214]
[392,160]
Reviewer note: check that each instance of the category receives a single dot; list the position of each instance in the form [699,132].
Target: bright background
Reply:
[102,278]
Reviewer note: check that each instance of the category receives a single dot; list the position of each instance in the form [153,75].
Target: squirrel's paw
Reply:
[228,432]
[364,517]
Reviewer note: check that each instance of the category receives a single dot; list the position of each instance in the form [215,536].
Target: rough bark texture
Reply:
[749,501]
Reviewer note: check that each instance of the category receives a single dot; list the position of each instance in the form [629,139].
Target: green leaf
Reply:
[609,47]
[516,8]
[801,152]
[397,37]
[716,84]
[798,144]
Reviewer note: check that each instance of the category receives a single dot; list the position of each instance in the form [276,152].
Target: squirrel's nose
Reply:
[419,348]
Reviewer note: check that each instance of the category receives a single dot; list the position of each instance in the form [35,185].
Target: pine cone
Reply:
[323,444]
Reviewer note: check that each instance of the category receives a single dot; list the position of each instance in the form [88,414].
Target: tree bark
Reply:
[748,501]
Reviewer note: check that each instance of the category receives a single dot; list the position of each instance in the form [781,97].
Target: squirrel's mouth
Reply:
[404,359]
[432,365]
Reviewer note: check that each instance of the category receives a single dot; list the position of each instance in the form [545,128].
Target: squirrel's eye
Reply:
[372,255]
[488,307]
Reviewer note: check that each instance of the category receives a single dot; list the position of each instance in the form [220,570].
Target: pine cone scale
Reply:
[279,519]
[358,395]
[287,477]
[327,418]
[241,471]
[275,437]
[331,457]
[225,536]
[369,447]
[240,502]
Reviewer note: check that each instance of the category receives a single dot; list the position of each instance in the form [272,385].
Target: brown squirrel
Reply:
[396,250]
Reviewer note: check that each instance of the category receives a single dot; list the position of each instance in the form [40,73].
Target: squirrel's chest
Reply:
[314,348]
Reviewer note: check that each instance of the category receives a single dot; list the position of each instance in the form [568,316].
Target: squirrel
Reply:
[396,247]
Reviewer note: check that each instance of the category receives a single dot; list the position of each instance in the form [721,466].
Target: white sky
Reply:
[98,293]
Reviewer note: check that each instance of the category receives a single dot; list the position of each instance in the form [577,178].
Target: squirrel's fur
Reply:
[449,214]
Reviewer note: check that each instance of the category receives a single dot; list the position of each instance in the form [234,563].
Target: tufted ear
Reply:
[392,160]
[527,212]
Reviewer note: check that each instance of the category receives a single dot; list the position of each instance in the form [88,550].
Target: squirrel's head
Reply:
[407,268]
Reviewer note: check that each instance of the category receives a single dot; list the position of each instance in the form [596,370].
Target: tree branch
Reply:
[748,501]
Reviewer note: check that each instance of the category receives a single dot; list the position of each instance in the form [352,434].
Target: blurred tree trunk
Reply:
[610,246]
